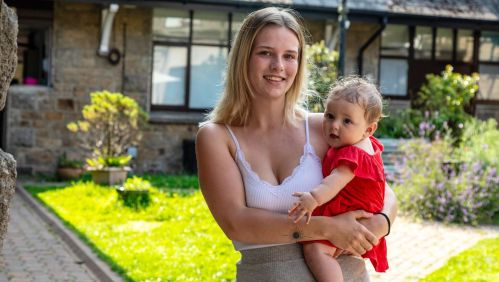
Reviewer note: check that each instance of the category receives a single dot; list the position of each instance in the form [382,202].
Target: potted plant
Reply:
[111,124]
[68,169]
[135,192]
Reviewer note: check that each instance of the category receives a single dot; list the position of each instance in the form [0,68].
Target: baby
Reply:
[352,168]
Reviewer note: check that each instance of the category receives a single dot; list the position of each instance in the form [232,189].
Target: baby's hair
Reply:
[359,91]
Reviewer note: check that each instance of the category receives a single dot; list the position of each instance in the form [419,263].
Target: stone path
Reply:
[34,251]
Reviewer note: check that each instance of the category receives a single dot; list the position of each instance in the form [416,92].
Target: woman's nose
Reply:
[277,65]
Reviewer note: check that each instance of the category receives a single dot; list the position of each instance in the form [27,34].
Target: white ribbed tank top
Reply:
[263,195]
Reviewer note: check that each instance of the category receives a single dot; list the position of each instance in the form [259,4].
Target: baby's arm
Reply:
[328,189]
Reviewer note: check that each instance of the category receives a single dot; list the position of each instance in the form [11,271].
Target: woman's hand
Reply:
[349,235]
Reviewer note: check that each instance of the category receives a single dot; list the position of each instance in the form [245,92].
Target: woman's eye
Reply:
[265,53]
[290,57]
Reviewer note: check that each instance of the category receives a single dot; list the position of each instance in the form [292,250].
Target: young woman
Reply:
[259,146]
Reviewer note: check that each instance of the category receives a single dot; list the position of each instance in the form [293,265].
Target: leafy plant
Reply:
[412,123]
[136,183]
[64,162]
[135,192]
[435,181]
[111,124]
[449,93]
[322,67]
[110,161]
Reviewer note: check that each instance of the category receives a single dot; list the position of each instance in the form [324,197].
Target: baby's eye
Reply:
[347,121]
[328,116]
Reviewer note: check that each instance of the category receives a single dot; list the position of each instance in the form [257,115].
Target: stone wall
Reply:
[8,61]
[38,115]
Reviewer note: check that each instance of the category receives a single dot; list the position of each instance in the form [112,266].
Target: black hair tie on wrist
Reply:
[387,220]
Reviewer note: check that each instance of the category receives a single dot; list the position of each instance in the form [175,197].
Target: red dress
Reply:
[366,191]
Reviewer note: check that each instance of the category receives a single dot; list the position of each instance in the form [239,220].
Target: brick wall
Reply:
[37,116]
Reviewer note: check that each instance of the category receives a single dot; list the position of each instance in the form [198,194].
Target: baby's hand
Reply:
[304,207]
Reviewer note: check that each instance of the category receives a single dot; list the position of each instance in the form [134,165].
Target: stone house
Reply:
[170,57]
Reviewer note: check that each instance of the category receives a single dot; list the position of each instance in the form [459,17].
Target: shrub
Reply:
[64,162]
[410,123]
[111,124]
[450,93]
[322,67]
[452,184]
[135,192]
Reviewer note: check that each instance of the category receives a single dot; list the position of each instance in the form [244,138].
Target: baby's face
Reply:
[344,123]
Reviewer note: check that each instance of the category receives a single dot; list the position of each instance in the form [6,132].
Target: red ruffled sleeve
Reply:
[359,161]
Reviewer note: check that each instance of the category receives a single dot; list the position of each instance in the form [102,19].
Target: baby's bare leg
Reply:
[320,260]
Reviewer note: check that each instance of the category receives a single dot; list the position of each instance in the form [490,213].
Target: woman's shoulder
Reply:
[211,131]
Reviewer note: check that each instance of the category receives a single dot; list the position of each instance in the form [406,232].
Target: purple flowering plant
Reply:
[439,179]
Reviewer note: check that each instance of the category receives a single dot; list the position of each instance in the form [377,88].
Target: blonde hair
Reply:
[360,91]
[234,106]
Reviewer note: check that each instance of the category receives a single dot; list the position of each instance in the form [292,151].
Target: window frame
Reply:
[189,45]
[397,57]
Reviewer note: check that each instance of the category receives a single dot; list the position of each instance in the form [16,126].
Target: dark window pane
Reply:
[237,22]
[464,45]
[443,44]
[168,77]
[489,82]
[393,76]
[489,46]
[422,42]
[210,27]
[207,67]
[395,40]
[171,25]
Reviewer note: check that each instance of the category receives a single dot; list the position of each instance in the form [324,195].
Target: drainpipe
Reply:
[342,12]
[107,24]
[360,55]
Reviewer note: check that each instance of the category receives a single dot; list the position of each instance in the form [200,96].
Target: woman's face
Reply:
[273,61]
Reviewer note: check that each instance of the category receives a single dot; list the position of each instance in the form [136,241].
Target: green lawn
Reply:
[174,239]
[478,263]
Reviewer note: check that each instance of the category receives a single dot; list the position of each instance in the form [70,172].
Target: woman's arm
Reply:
[378,223]
[223,190]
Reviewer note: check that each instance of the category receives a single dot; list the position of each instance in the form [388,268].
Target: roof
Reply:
[467,9]
[476,10]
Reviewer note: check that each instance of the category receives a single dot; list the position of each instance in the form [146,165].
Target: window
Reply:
[443,44]
[464,51]
[489,66]
[393,66]
[423,42]
[189,56]
[32,56]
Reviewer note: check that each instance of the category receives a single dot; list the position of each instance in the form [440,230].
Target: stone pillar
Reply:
[8,61]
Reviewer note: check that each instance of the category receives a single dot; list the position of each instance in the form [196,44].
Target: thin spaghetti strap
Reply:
[306,128]
[233,136]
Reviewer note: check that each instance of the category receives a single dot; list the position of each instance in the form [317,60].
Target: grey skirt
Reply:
[286,263]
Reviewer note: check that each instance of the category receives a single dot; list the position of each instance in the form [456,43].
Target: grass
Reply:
[478,263]
[174,238]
